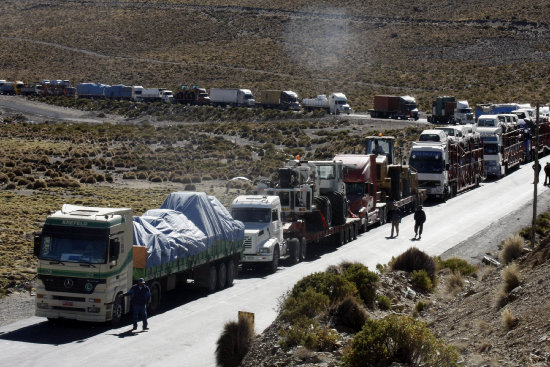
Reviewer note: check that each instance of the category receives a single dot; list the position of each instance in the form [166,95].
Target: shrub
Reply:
[455,282]
[365,281]
[414,259]
[420,306]
[421,281]
[384,302]
[512,248]
[398,339]
[190,187]
[234,342]
[457,264]
[510,274]
[310,334]
[509,321]
[39,184]
[308,303]
[349,314]
[335,286]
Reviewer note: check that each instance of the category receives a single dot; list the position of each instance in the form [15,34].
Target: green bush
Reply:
[335,286]
[420,306]
[384,302]
[310,334]
[421,281]
[414,259]
[457,264]
[365,281]
[398,339]
[305,304]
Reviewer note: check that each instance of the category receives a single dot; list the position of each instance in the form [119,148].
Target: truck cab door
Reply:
[276,227]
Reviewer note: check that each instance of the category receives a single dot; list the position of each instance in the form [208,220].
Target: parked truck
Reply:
[463,113]
[91,90]
[446,109]
[505,145]
[118,92]
[88,257]
[335,103]
[279,99]
[306,206]
[446,167]
[394,107]
[232,97]
[192,96]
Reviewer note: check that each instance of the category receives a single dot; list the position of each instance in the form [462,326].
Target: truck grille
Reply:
[247,243]
[70,284]
[61,308]
[428,183]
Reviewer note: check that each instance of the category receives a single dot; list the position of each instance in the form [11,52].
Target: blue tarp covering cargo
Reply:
[91,90]
[187,224]
[118,92]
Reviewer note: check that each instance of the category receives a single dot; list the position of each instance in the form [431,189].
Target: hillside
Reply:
[488,51]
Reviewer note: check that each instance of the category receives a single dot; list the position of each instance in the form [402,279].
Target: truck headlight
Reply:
[93,309]
[265,250]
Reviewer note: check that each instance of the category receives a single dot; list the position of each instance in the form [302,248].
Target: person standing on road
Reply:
[419,219]
[547,174]
[395,217]
[141,296]
[537,168]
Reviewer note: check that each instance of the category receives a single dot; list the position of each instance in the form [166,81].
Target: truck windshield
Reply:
[252,215]
[490,149]
[427,162]
[355,188]
[486,123]
[74,246]
[326,172]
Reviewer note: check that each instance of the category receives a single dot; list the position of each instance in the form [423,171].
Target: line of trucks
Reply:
[334,103]
[88,257]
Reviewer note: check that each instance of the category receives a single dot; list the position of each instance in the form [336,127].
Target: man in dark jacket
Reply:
[419,219]
[395,217]
[141,296]
[547,174]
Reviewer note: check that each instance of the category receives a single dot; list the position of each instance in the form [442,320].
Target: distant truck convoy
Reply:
[88,257]
[335,103]
[192,96]
[232,97]
[394,107]
[280,99]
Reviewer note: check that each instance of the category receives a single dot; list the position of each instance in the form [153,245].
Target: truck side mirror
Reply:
[37,243]
[114,249]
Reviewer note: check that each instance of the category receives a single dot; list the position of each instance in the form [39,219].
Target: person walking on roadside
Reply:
[547,174]
[141,296]
[537,168]
[419,219]
[395,217]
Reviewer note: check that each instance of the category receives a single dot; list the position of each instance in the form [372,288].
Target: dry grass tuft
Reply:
[512,248]
[455,283]
[510,275]
[509,321]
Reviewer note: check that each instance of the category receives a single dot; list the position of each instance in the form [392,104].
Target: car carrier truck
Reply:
[308,205]
[446,167]
[88,257]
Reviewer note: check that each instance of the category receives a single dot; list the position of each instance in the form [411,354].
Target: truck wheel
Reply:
[338,202]
[294,249]
[212,279]
[230,273]
[155,298]
[118,310]
[222,276]
[303,249]
[326,209]
[274,265]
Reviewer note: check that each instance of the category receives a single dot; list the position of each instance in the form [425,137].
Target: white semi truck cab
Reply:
[263,233]
[338,103]
[490,129]
[85,264]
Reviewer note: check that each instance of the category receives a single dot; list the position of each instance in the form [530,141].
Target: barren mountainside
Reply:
[488,51]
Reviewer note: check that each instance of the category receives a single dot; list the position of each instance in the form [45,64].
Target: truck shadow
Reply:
[58,333]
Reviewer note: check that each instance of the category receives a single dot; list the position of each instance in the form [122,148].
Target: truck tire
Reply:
[325,209]
[303,249]
[294,251]
[222,276]
[155,298]
[230,273]
[274,264]
[212,279]
[118,310]
[338,201]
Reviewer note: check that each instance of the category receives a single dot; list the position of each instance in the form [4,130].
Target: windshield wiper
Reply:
[87,263]
[56,261]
